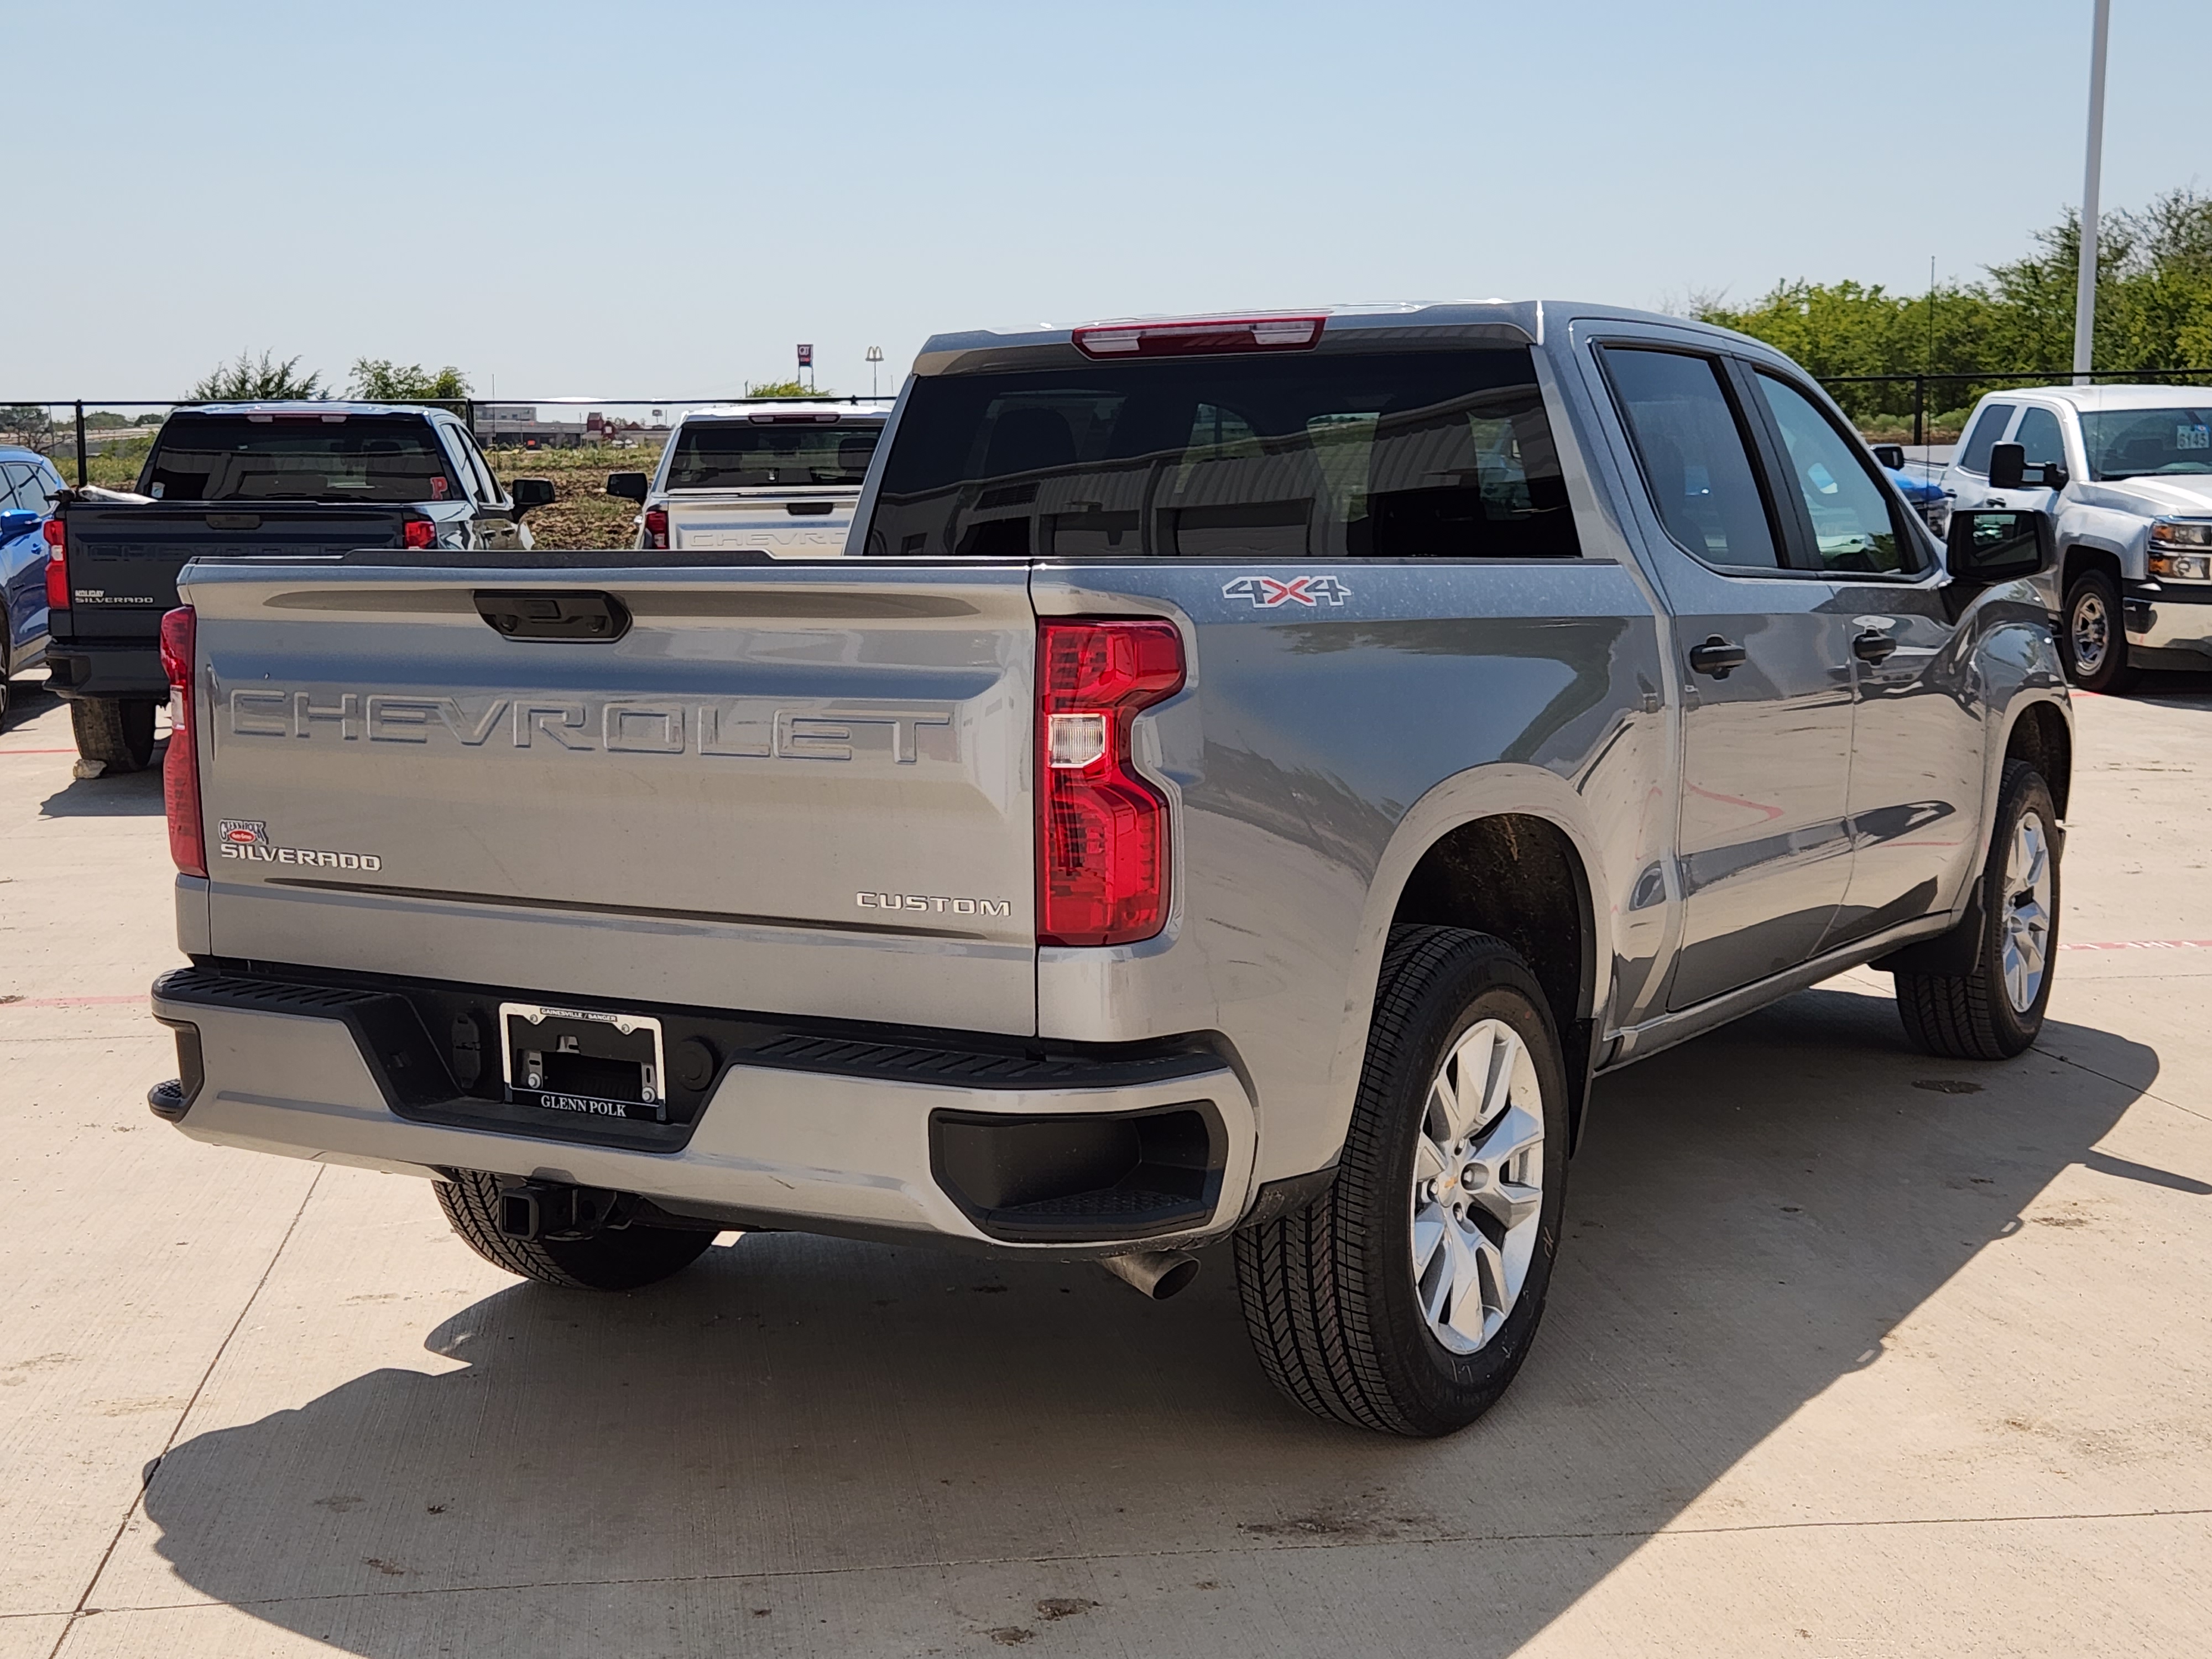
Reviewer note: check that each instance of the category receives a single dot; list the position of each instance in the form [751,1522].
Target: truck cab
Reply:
[780,479]
[2126,471]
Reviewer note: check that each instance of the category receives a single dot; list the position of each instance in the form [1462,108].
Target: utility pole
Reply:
[2085,279]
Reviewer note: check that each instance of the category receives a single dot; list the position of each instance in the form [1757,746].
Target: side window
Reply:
[485,482]
[2041,436]
[1989,427]
[465,466]
[48,483]
[1693,454]
[16,487]
[1854,530]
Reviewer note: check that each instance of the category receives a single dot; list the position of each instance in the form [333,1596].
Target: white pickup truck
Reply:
[2126,472]
[780,479]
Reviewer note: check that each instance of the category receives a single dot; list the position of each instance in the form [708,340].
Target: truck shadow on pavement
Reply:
[851,1447]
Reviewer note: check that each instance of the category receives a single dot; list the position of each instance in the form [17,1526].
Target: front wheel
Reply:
[118,734]
[1995,1009]
[2093,641]
[1405,1297]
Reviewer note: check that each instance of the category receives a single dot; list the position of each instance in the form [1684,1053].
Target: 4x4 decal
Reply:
[1267,592]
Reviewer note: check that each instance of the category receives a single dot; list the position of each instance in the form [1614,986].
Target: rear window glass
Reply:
[300,458]
[1430,454]
[778,449]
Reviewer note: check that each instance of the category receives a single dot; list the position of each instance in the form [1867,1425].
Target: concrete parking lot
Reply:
[1850,1351]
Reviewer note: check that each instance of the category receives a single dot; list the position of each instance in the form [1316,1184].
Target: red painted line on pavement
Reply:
[37,751]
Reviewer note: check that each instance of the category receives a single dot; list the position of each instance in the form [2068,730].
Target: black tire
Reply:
[119,733]
[1328,1290]
[2092,614]
[1970,1015]
[618,1258]
[7,660]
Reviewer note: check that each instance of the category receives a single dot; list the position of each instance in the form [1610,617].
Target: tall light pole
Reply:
[875,362]
[2085,278]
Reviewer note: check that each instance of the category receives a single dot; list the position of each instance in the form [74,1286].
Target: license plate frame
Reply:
[579,1064]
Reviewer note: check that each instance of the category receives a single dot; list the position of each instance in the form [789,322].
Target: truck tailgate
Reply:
[810,526]
[797,790]
[123,558]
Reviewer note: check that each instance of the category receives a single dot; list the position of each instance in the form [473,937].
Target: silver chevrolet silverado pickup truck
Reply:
[1246,780]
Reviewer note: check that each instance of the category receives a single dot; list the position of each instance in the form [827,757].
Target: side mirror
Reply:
[1891,456]
[631,486]
[2001,544]
[2008,469]
[529,493]
[17,521]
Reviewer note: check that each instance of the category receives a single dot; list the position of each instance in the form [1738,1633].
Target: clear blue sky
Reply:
[660,199]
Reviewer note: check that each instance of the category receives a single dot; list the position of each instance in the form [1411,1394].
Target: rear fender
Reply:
[1483,792]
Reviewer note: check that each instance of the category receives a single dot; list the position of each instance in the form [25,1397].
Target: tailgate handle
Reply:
[808,509]
[234,521]
[585,618]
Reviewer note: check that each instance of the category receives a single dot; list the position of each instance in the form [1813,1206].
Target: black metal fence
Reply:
[490,417]
[1973,385]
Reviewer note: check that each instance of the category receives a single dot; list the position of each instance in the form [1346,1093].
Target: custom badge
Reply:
[1271,593]
[246,832]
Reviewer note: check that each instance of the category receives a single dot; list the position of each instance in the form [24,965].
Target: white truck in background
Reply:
[2126,473]
[781,478]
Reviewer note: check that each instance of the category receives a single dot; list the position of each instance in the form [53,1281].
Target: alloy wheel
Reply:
[2025,952]
[2091,632]
[1477,1186]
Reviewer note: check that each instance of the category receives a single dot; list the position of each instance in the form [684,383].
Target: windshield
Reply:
[1406,455]
[298,458]
[771,449]
[2134,443]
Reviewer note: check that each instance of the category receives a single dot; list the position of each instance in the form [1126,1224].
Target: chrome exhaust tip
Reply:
[1158,1274]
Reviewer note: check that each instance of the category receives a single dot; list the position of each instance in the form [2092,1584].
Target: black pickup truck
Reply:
[269,480]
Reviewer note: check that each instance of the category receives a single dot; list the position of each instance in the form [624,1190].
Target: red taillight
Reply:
[656,527]
[1103,852]
[419,532]
[180,766]
[1198,335]
[57,588]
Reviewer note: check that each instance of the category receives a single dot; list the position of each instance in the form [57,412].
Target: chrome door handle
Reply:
[1873,646]
[1717,656]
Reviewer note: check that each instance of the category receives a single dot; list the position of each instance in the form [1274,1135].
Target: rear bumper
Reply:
[807,1133]
[107,671]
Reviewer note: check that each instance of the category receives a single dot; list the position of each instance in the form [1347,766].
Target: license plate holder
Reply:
[584,1062]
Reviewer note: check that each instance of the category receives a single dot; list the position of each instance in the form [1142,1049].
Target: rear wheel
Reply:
[116,733]
[613,1259]
[1996,1010]
[1405,1297]
[2092,639]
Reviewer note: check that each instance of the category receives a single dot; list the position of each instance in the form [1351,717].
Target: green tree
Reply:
[785,389]
[2154,314]
[256,380]
[28,424]
[379,380]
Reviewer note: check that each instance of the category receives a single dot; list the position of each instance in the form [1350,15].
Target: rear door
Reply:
[802,791]
[1766,721]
